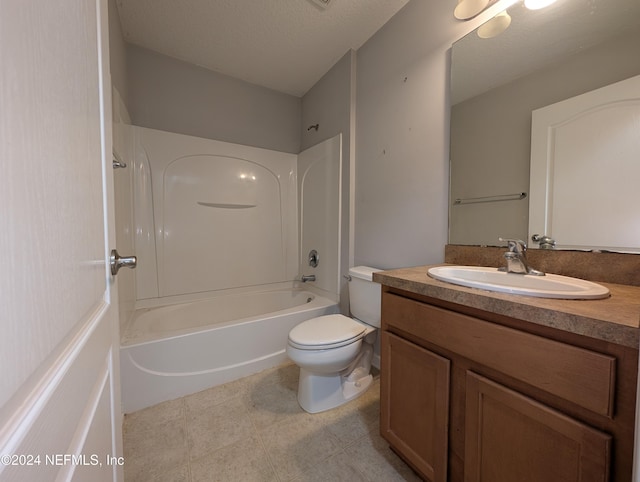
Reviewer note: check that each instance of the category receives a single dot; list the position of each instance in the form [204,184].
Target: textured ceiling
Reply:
[285,45]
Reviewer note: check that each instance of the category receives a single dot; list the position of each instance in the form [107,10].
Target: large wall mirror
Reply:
[544,57]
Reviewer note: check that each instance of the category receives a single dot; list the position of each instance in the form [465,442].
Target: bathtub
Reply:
[171,351]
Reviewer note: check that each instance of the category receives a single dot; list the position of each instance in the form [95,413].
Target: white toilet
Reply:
[334,352]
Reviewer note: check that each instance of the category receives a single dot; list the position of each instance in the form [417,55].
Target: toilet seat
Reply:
[326,332]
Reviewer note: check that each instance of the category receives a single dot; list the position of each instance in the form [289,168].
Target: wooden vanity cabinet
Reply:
[415,405]
[512,437]
[476,397]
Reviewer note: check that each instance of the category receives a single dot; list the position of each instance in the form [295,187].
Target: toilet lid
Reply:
[326,330]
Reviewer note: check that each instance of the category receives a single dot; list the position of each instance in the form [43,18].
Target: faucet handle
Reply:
[515,245]
[545,242]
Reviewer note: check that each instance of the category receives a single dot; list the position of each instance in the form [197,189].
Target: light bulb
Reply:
[467,9]
[495,26]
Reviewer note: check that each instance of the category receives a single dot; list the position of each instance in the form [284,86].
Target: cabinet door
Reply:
[510,437]
[415,405]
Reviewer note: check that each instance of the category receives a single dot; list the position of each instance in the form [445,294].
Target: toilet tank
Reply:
[364,295]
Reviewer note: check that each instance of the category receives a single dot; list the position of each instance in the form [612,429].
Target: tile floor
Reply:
[254,430]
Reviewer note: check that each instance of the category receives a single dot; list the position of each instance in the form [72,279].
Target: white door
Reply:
[59,388]
[585,167]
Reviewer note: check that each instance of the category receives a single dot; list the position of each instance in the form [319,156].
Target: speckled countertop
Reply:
[615,319]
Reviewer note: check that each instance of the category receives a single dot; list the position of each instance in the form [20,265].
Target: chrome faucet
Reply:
[517,258]
[308,277]
[544,241]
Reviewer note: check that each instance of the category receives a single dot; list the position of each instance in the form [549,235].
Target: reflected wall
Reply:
[491,138]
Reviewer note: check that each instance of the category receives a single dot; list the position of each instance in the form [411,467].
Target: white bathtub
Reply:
[176,350]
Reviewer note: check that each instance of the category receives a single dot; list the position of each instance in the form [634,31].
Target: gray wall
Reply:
[328,103]
[331,104]
[402,136]
[117,53]
[401,113]
[492,137]
[175,96]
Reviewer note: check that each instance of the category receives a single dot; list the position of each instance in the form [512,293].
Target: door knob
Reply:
[116,261]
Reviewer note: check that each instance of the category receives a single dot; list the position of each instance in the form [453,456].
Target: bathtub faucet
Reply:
[308,277]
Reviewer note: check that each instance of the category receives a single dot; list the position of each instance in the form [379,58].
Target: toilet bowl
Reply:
[334,352]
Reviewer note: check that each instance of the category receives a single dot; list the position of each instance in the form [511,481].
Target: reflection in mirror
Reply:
[543,57]
[585,169]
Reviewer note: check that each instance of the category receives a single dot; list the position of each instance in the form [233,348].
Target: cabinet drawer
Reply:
[581,376]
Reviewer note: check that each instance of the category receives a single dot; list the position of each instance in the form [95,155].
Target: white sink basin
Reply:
[548,286]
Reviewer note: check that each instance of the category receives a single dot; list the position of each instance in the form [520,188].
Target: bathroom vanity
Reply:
[484,386]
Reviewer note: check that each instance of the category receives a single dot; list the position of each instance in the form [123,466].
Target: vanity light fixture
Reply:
[495,26]
[467,9]
[537,4]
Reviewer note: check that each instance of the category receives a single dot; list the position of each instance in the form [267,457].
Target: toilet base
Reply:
[317,393]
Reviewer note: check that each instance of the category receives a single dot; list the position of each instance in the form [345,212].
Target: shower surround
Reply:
[222,234]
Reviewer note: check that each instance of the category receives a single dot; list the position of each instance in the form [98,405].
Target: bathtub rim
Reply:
[320,300]
[204,295]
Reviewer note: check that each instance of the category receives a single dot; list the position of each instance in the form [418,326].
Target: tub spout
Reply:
[308,277]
